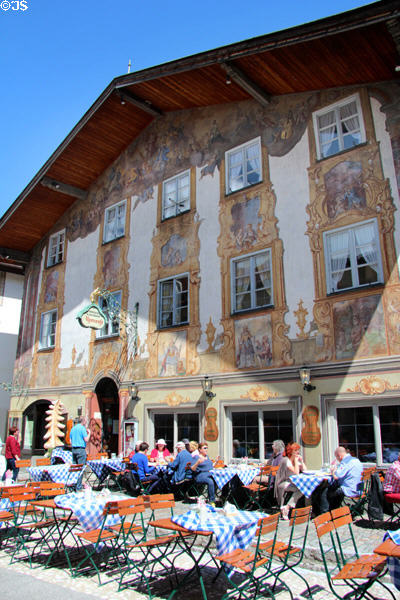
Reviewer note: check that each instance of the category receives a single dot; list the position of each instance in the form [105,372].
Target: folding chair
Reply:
[193,488]
[357,503]
[256,567]
[393,499]
[43,462]
[260,494]
[23,464]
[349,575]
[74,480]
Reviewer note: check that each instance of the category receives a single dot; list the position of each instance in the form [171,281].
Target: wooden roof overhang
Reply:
[357,47]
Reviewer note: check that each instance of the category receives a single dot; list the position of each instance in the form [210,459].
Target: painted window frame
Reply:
[234,261]
[293,404]
[353,257]
[330,436]
[335,108]
[176,179]
[47,339]
[175,306]
[245,173]
[108,330]
[56,248]
[108,234]
[192,409]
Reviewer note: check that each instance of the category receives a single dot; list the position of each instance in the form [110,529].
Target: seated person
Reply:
[175,473]
[140,458]
[346,474]
[239,451]
[160,452]
[278,450]
[391,484]
[201,469]
[194,448]
[291,464]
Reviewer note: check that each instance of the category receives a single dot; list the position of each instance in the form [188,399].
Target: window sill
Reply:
[104,243]
[105,338]
[245,187]
[48,349]
[169,327]
[55,264]
[322,158]
[184,212]
[371,286]
[259,309]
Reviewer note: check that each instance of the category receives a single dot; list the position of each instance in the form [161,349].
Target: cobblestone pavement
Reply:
[367,538]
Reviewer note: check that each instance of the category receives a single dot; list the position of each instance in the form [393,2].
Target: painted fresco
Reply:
[359,328]
[172,353]
[50,294]
[44,370]
[246,221]
[253,342]
[174,252]
[344,188]
[111,266]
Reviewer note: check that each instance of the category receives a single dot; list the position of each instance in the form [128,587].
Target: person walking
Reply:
[79,437]
[13,452]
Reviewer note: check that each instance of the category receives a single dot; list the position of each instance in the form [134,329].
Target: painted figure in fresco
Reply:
[51,287]
[263,351]
[173,253]
[110,266]
[246,352]
[170,361]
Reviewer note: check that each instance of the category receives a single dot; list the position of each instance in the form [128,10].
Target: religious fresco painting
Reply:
[246,221]
[344,188]
[359,327]
[110,268]
[50,294]
[253,342]
[174,252]
[172,353]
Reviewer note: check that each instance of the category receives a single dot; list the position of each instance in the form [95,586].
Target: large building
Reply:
[235,213]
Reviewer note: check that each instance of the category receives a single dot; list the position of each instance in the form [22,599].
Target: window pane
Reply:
[164,429]
[278,425]
[188,426]
[356,432]
[245,429]
[389,417]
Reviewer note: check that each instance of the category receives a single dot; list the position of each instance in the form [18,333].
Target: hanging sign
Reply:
[91,316]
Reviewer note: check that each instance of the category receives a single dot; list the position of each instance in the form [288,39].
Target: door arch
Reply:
[107,396]
[34,427]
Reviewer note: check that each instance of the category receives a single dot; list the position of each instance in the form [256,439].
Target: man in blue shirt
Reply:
[140,458]
[79,436]
[179,463]
[346,481]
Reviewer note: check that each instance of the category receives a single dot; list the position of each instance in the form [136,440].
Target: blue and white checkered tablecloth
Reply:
[101,468]
[88,508]
[65,455]
[308,482]
[5,504]
[222,476]
[394,563]
[236,531]
[56,473]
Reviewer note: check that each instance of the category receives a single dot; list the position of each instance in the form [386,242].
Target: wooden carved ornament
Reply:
[311,433]
[211,428]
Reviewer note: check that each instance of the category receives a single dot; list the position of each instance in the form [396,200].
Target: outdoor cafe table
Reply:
[55,473]
[308,481]
[88,507]
[64,455]
[223,476]
[233,531]
[103,468]
[390,548]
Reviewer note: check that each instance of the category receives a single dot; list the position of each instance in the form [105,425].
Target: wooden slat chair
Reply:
[71,485]
[256,567]
[155,556]
[43,462]
[347,572]
[23,464]
[358,503]
[256,491]
[192,489]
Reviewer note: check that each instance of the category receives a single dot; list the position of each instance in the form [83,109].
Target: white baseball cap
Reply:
[180,445]
[161,441]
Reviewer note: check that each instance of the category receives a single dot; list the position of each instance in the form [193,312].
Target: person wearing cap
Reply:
[187,444]
[178,465]
[160,452]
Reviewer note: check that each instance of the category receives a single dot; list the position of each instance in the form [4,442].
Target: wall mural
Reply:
[246,222]
[50,292]
[253,342]
[359,327]
[174,252]
[344,188]
[110,269]
[172,353]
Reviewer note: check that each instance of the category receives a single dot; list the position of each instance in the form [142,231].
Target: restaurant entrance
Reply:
[107,396]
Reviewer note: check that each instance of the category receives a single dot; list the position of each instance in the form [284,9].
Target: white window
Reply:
[339,127]
[48,323]
[111,307]
[175,425]
[370,429]
[176,195]
[352,256]
[251,278]
[173,301]
[243,166]
[114,222]
[56,248]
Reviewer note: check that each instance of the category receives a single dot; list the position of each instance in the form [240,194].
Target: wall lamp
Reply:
[305,376]
[207,387]
[79,411]
[134,392]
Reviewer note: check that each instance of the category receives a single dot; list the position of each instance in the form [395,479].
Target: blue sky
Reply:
[57,56]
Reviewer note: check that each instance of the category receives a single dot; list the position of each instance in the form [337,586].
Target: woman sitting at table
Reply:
[160,452]
[202,472]
[291,464]
[194,449]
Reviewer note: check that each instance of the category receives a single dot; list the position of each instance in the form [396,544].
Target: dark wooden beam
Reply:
[64,188]
[127,96]
[14,255]
[246,83]
[394,29]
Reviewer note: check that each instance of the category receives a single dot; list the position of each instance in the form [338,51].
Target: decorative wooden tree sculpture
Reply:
[54,435]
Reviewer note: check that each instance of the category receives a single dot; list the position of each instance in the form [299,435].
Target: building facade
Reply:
[230,243]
